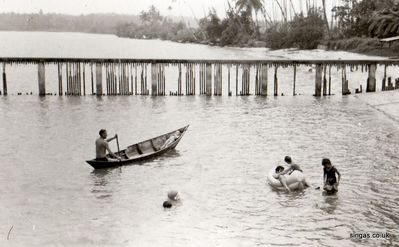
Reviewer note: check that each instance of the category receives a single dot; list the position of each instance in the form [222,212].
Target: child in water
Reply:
[280,176]
[330,180]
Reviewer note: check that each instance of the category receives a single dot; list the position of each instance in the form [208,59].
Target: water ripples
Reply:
[219,169]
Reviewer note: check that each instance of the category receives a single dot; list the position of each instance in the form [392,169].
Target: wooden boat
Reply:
[143,150]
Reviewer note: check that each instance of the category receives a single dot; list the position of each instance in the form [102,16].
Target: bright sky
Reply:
[194,8]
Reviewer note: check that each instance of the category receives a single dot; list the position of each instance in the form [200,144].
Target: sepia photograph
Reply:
[175,123]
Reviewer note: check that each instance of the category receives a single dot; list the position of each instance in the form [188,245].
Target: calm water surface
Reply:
[51,197]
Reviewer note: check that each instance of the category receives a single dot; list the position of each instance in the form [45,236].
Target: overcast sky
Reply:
[192,8]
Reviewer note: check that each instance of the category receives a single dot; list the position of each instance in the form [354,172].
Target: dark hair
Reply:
[167,204]
[278,168]
[102,131]
[287,159]
[325,161]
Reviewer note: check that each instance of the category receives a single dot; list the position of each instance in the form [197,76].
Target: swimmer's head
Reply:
[173,195]
[326,163]
[288,159]
[279,169]
[167,204]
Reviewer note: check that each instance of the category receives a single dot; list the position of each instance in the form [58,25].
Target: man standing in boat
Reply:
[102,147]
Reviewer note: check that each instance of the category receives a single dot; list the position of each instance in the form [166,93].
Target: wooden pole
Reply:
[318,80]
[293,91]
[131,79]
[145,80]
[5,91]
[67,77]
[99,79]
[384,80]
[80,78]
[257,91]
[179,81]
[236,80]
[264,77]
[275,81]
[84,79]
[228,80]
[324,80]
[135,79]
[41,78]
[60,90]
[154,81]
[107,76]
[92,79]
[329,80]
[208,79]
[194,75]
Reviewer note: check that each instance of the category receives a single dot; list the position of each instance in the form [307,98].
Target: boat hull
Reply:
[141,151]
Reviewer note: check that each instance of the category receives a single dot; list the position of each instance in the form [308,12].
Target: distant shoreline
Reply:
[365,46]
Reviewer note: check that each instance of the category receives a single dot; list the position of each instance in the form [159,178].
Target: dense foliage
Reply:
[385,23]
[354,17]
[154,26]
[302,32]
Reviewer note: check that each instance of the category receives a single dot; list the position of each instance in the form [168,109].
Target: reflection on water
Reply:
[102,178]
[330,203]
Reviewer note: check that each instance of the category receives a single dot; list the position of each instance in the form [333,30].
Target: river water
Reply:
[51,197]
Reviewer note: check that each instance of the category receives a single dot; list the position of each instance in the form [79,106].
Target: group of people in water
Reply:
[330,179]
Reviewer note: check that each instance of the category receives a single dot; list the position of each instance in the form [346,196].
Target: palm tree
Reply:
[325,17]
[282,10]
[250,6]
[385,23]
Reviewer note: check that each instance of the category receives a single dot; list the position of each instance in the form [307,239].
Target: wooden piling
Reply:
[345,84]
[5,91]
[186,79]
[318,80]
[67,77]
[294,87]
[228,80]
[236,80]
[194,76]
[264,79]
[92,79]
[80,78]
[146,91]
[275,80]
[179,81]
[324,80]
[154,80]
[84,79]
[248,80]
[329,80]
[131,79]
[135,79]
[99,79]
[384,80]
[41,78]
[208,79]
[60,90]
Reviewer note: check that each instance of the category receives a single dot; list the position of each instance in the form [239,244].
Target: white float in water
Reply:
[295,180]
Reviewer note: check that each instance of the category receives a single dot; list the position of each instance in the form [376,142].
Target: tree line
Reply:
[246,23]
[92,23]
[305,29]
